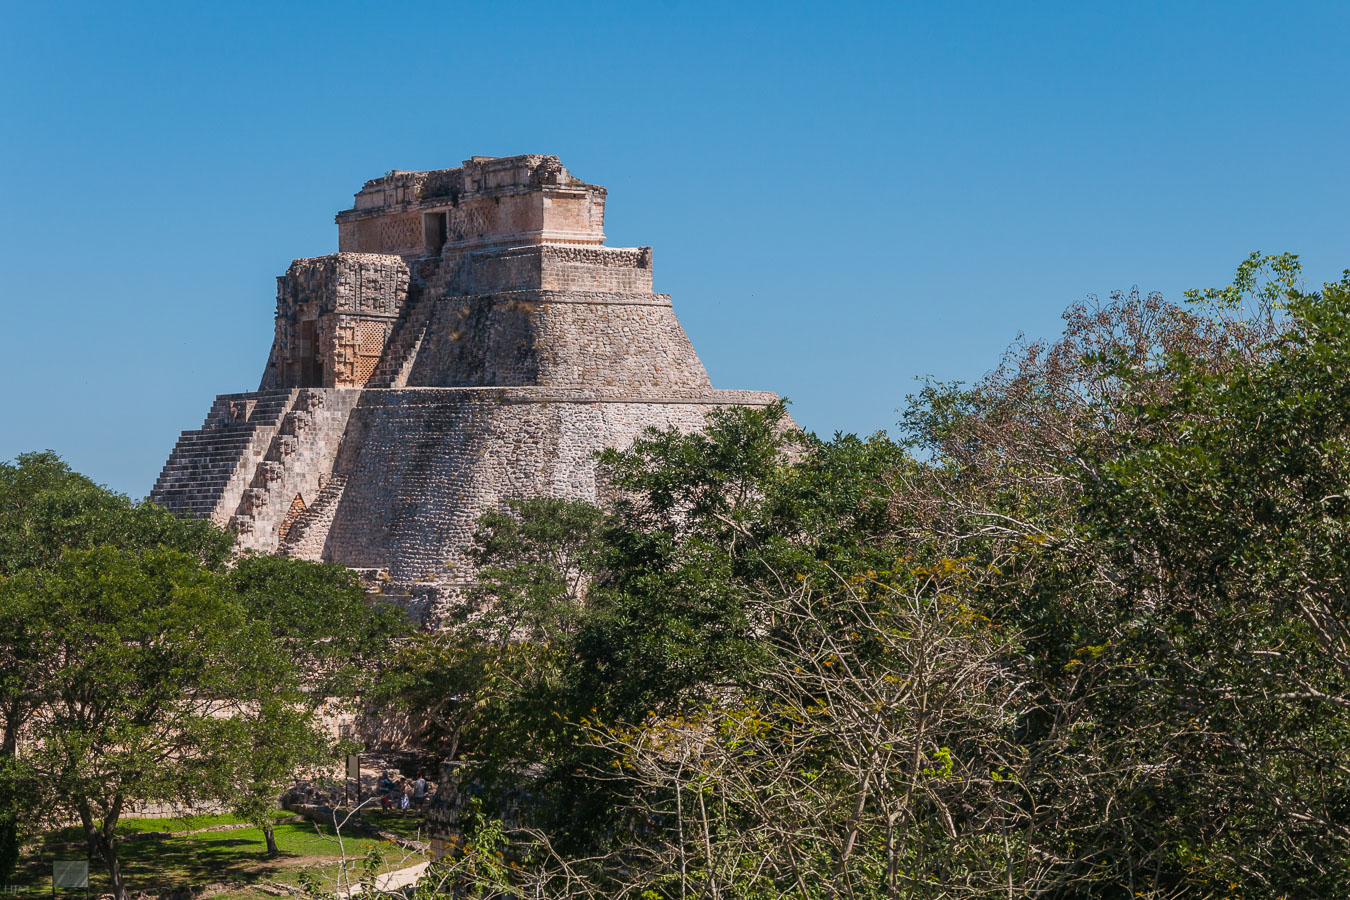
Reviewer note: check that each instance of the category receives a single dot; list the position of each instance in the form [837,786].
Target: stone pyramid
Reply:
[472,341]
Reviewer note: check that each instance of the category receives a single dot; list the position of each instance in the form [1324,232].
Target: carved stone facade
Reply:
[334,317]
[472,341]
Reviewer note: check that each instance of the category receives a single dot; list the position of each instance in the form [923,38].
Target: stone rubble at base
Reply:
[471,341]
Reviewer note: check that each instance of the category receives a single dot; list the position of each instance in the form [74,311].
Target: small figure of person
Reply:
[419,791]
[404,797]
[385,788]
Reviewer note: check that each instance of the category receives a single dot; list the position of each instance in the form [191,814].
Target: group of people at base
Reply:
[403,793]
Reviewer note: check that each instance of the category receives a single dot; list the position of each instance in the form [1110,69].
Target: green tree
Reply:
[336,638]
[148,658]
[489,681]
[322,618]
[46,510]
[277,740]
[1224,516]
[136,666]
[535,559]
[1158,492]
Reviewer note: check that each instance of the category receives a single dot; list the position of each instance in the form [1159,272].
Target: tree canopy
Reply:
[1081,633]
[140,661]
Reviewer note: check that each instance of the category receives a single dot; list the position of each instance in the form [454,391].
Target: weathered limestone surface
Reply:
[472,341]
[628,342]
[334,317]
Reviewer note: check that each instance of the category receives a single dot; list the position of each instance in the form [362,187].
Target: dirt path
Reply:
[392,881]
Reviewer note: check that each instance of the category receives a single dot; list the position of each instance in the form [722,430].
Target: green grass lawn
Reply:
[412,826]
[233,857]
[142,826]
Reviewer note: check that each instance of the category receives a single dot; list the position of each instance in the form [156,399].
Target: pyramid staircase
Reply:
[206,463]
[319,513]
[432,279]
[409,331]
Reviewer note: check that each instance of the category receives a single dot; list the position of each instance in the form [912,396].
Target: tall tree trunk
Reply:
[119,890]
[103,844]
[270,836]
[10,793]
[10,744]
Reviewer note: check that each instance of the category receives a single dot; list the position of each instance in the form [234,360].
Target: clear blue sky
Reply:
[842,196]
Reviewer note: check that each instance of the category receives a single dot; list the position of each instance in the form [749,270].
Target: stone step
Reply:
[200,463]
[204,462]
[197,451]
[181,485]
[189,486]
[206,454]
[183,501]
[409,333]
[196,469]
[197,442]
[225,433]
[185,477]
[188,503]
[173,485]
[196,476]
[185,495]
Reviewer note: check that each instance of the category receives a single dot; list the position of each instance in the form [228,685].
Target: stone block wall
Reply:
[484,202]
[362,283]
[591,340]
[398,234]
[609,269]
[420,465]
[557,268]
[295,469]
[304,535]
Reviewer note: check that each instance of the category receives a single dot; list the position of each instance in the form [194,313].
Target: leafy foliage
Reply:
[145,656]
[136,665]
[47,509]
[1083,634]
[321,617]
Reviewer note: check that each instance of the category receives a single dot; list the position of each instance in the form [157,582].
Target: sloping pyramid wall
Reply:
[493,366]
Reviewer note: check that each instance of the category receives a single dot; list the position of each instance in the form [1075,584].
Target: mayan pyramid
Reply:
[472,340]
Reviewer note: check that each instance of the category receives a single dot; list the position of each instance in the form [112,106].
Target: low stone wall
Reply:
[173,810]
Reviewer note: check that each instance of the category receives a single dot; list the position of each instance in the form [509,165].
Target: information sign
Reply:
[70,873]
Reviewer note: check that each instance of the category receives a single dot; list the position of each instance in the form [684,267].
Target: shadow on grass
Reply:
[412,826]
[223,856]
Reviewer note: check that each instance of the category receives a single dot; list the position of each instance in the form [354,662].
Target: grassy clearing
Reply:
[235,857]
[73,833]
[412,826]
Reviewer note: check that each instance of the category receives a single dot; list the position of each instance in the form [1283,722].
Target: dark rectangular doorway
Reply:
[433,230]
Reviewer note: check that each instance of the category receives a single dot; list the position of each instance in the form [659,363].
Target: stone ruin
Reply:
[472,340]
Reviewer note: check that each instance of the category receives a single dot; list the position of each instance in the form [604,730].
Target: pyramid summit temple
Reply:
[473,340]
